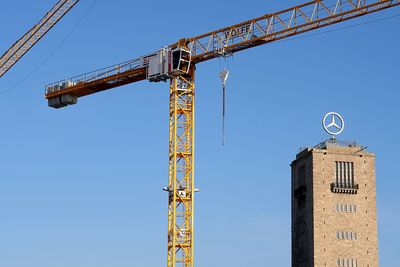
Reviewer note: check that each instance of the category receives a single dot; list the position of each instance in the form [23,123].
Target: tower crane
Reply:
[177,63]
[29,39]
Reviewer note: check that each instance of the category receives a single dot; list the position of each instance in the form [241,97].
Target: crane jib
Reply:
[279,25]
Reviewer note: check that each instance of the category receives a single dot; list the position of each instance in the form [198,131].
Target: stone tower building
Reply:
[334,206]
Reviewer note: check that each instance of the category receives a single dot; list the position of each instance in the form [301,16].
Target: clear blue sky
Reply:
[82,186]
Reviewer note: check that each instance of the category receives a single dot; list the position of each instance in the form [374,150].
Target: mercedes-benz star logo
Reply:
[333,123]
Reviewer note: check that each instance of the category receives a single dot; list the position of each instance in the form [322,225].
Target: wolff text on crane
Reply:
[238,31]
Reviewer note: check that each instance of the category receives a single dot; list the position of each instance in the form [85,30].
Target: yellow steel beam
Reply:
[181,172]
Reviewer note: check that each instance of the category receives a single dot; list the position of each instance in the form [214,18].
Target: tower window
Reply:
[347,208]
[344,178]
[346,235]
[346,262]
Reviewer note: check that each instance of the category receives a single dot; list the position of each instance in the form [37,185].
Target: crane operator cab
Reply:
[167,63]
[180,61]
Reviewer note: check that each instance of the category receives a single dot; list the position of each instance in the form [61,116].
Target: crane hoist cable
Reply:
[224,74]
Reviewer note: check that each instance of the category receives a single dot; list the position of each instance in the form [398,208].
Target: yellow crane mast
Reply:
[177,63]
[29,39]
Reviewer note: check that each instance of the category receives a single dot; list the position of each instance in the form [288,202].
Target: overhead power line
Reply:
[52,52]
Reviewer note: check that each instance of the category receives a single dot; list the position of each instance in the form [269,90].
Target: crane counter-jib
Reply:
[155,67]
[71,90]
[98,80]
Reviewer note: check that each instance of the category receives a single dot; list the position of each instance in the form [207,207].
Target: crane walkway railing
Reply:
[93,75]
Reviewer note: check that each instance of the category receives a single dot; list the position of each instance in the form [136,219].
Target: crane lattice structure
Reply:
[29,39]
[176,63]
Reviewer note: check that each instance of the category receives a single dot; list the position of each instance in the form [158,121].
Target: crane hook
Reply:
[224,74]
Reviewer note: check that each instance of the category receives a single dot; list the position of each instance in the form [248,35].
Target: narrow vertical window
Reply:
[348,174]
[341,173]
[352,174]
[337,172]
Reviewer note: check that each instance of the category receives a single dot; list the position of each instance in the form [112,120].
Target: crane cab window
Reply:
[180,61]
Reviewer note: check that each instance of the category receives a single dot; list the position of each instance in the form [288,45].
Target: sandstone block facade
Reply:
[334,220]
